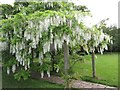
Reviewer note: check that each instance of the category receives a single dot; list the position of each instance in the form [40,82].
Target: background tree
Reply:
[113,31]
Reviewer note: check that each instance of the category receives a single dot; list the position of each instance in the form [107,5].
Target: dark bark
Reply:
[93,65]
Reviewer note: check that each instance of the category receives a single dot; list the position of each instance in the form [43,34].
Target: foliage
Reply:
[34,26]
[114,32]
[22,74]
[10,62]
[7,11]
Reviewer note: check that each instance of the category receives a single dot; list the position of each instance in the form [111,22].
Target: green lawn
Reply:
[10,82]
[106,69]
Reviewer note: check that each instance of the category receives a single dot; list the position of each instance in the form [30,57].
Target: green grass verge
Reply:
[106,69]
[10,82]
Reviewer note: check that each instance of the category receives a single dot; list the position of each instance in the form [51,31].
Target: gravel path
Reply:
[75,83]
[84,84]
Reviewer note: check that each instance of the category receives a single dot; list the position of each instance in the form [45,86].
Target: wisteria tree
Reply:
[42,27]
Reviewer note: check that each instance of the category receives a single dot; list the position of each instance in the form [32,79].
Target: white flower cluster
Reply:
[102,36]
[46,47]
[48,73]
[57,70]
[42,26]
[20,57]
[57,20]
[57,43]
[27,35]
[13,68]
[8,70]
[66,38]
[107,37]
[99,38]
[40,58]
[3,46]
[42,74]
[78,17]
[15,48]
[78,31]
[87,36]
[96,39]
[84,36]
[36,28]
[34,34]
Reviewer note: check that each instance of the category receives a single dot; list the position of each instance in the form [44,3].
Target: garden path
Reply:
[74,83]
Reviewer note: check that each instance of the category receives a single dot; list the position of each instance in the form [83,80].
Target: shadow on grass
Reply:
[8,81]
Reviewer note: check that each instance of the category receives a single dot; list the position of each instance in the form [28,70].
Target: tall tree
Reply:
[33,26]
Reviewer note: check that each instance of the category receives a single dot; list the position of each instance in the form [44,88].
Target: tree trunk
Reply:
[93,65]
[52,55]
[66,58]
[32,52]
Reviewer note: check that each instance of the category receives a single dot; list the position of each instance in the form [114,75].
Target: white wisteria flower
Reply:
[48,73]
[42,74]
[13,68]
[8,70]
[57,70]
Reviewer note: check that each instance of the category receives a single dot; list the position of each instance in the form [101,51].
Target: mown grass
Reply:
[106,69]
[10,82]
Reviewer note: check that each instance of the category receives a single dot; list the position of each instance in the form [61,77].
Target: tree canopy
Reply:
[34,26]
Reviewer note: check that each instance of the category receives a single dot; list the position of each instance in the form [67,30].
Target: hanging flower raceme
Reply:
[87,36]
[3,46]
[13,68]
[48,73]
[99,40]
[102,36]
[8,70]
[42,74]
[40,58]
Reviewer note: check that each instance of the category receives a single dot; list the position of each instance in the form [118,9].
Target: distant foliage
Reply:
[114,32]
